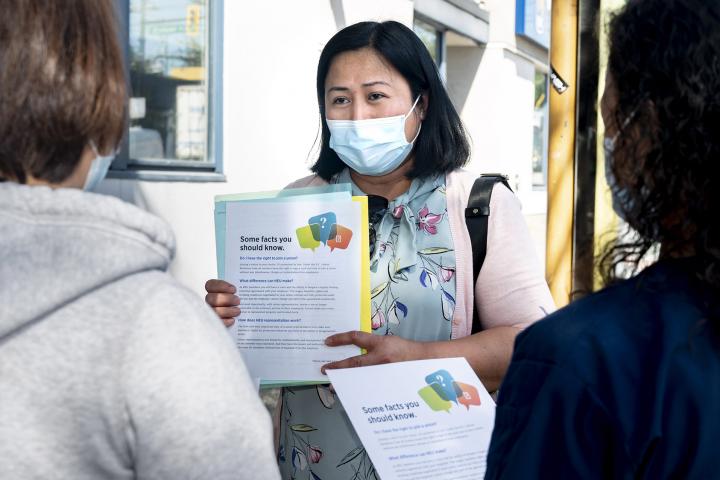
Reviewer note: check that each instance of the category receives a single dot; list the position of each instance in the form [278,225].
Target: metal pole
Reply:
[586,148]
[563,61]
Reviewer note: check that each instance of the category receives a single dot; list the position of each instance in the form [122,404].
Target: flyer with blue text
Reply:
[300,266]
[420,420]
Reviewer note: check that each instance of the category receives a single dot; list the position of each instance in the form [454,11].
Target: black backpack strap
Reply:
[476,218]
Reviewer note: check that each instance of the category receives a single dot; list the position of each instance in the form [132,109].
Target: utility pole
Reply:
[561,157]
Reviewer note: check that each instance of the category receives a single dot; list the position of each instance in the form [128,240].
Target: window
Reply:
[434,39]
[540,131]
[174,59]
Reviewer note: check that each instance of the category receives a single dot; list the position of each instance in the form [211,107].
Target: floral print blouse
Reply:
[413,296]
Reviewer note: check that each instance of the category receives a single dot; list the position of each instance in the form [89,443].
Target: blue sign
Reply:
[532,20]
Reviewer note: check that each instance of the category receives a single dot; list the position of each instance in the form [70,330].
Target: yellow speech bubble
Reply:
[306,239]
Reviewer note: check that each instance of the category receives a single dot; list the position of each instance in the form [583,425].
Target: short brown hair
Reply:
[62,85]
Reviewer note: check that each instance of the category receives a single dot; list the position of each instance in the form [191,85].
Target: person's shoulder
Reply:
[461,181]
[313,180]
[171,298]
[559,336]
[461,177]
[624,314]
[156,300]
[171,320]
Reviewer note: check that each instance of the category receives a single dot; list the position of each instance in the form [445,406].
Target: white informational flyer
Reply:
[298,267]
[420,420]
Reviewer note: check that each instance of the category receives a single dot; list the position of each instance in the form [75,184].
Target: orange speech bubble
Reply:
[339,237]
[469,395]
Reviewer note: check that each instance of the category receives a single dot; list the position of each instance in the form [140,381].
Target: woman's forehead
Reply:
[357,68]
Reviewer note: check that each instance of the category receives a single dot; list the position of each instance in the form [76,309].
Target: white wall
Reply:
[270,114]
[493,87]
[497,109]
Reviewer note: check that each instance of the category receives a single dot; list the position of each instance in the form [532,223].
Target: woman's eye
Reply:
[340,101]
[375,96]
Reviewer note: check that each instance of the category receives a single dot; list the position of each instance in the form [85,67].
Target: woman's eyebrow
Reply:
[368,84]
[378,82]
[337,89]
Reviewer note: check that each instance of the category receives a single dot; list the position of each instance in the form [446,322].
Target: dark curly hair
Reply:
[665,64]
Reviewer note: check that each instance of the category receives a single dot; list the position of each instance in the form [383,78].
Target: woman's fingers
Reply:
[228,321]
[221,297]
[227,312]
[216,300]
[360,339]
[352,362]
[380,349]
[219,286]
[368,341]
[221,294]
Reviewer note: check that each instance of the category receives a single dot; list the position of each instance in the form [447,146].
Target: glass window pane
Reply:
[429,36]
[168,74]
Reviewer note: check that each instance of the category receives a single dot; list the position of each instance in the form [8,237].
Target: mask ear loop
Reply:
[95,150]
[420,124]
[413,107]
[612,141]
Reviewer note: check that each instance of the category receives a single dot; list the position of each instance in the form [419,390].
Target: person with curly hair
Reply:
[625,383]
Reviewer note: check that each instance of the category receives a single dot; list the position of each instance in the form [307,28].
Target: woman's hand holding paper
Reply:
[380,349]
[221,297]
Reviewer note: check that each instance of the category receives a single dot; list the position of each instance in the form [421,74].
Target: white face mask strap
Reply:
[624,125]
[418,133]
[419,123]
[414,105]
[94,148]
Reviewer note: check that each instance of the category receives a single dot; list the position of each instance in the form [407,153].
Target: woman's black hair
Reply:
[665,64]
[442,145]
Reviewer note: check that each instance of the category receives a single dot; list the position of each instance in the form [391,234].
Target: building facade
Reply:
[223,99]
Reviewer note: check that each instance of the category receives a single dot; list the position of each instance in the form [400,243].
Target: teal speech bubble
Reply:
[325,222]
[442,383]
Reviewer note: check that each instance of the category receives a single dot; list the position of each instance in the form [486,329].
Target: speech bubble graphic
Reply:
[442,382]
[433,400]
[306,238]
[315,227]
[468,394]
[325,222]
[339,237]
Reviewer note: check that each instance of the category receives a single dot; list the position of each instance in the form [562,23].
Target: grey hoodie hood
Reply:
[57,246]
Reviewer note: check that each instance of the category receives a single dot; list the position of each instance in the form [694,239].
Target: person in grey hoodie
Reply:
[109,369]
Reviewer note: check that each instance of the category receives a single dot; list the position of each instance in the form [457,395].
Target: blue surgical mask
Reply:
[621,200]
[620,197]
[376,146]
[98,169]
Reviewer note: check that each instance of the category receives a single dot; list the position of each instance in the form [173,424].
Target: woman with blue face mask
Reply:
[390,130]
[96,380]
